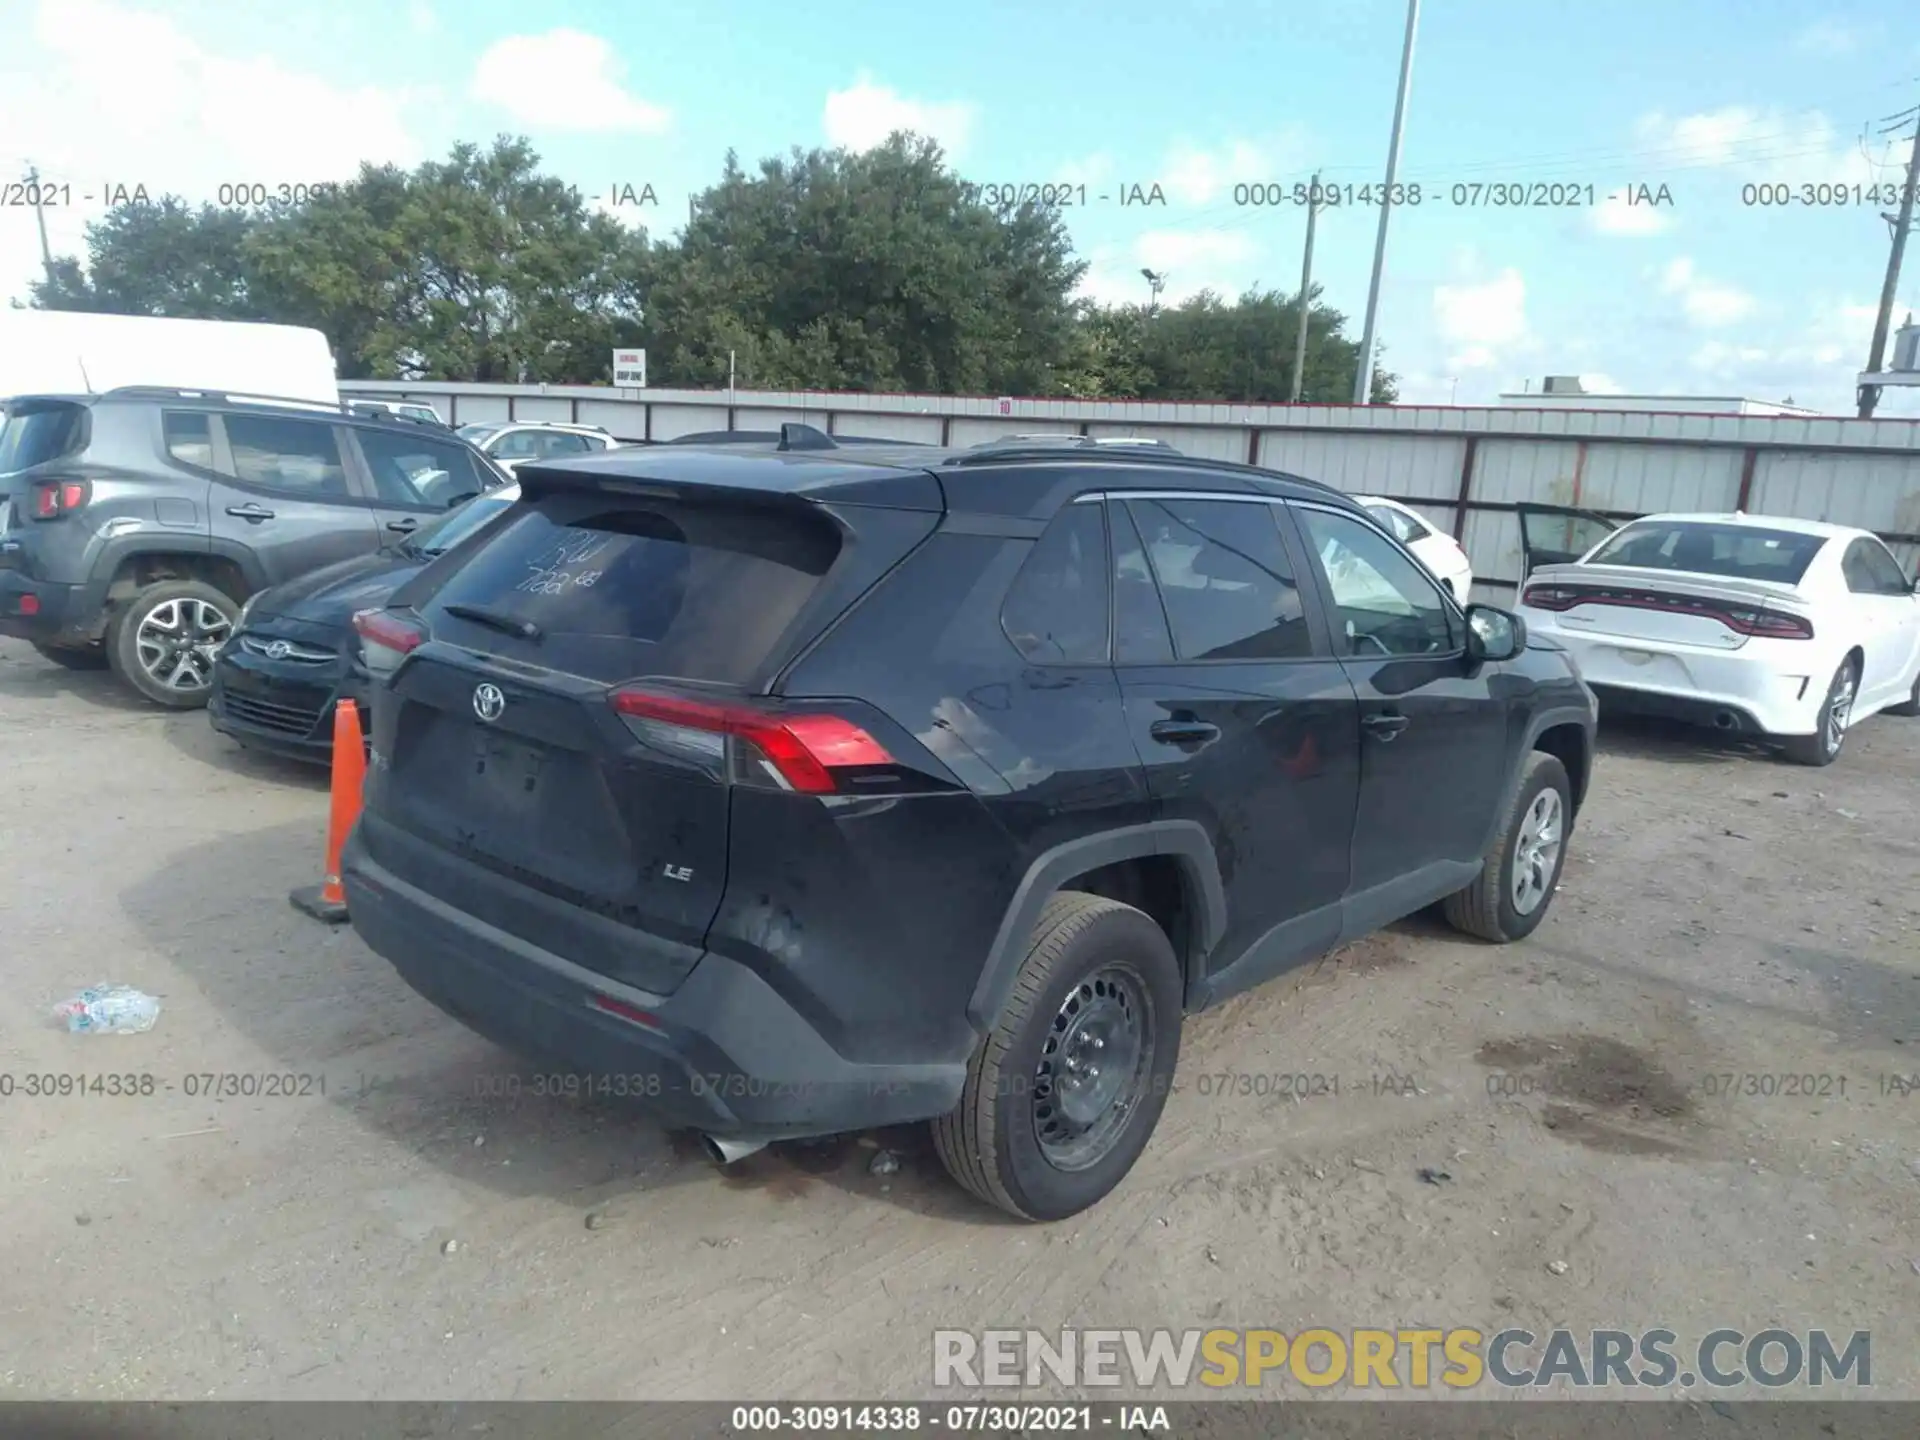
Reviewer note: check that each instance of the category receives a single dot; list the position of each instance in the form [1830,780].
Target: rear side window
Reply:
[295,457]
[37,433]
[1056,608]
[1223,571]
[1870,569]
[417,471]
[1738,552]
[189,437]
[618,593]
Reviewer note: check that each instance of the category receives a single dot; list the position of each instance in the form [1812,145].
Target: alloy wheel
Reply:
[1536,851]
[1839,708]
[176,642]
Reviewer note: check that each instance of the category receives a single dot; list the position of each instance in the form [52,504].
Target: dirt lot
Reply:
[1722,915]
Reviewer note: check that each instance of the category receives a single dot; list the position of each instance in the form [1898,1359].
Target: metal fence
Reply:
[1465,468]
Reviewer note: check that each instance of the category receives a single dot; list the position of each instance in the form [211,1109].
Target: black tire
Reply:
[1910,705]
[131,655]
[1489,908]
[75,657]
[1823,746]
[992,1142]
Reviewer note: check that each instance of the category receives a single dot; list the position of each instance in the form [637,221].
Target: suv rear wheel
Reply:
[1522,865]
[163,642]
[1065,1090]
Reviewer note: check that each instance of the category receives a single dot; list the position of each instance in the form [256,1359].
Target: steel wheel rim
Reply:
[1087,1082]
[1536,851]
[1839,707]
[176,641]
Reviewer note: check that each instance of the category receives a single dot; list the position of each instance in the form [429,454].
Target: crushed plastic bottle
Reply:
[109,1010]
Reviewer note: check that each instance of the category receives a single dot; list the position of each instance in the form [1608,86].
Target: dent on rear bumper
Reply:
[726,1054]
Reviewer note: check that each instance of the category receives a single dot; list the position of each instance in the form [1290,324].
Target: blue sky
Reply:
[1702,295]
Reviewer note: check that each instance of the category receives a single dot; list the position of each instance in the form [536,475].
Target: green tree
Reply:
[875,271]
[165,258]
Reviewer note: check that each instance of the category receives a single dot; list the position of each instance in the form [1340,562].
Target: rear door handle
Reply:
[1184,732]
[250,511]
[1385,727]
[404,527]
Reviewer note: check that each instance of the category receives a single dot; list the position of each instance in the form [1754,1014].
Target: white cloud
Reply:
[861,117]
[563,80]
[1828,37]
[421,18]
[1088,171]
[101,94]
[1483,322]
[1814,363]
[1705,302]
[1781,145]
[1190,261]
[1198,175]
[1614,216]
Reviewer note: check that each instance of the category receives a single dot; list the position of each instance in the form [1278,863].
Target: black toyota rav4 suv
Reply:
[802,791]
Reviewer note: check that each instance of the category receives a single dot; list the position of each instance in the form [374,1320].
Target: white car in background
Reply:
[1788,629]
[1435,549]
[510,443]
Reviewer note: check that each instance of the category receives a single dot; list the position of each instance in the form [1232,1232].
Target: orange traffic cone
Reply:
[328,901]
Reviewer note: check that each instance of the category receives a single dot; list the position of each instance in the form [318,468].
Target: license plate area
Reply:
[507,776]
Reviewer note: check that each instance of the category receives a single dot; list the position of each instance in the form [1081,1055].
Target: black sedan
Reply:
[294,654]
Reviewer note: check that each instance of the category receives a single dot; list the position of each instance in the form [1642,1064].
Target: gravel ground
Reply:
[426,1228]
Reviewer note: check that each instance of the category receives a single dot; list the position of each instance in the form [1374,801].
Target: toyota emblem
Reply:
[488,702]
[278,650]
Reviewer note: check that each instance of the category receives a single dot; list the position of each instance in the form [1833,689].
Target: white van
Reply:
[67,352]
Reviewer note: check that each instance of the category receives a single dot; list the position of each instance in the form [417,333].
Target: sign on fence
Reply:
[630,368]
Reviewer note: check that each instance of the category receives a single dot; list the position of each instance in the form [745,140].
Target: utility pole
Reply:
[40,215]
[1306,290]
[1876,354]
[1363,381]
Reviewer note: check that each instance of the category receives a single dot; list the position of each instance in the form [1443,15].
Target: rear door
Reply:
[1244,720]
[536,781]
[283,494]
[1558,534]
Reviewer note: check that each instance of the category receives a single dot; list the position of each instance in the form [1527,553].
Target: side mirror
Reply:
[1494,634]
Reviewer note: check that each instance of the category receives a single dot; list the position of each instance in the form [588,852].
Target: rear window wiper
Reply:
[495,620]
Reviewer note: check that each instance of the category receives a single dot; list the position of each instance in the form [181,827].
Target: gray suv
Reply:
[135,524]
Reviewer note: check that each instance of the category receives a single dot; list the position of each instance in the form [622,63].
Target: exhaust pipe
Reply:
[1725,720]
[727,1152]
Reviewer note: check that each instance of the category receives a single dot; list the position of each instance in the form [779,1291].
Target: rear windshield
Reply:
[476,432]
[663,589]
[1738,552]
[36,433]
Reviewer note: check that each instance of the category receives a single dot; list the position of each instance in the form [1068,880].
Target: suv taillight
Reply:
[55,498]
[748,746]
[386,639]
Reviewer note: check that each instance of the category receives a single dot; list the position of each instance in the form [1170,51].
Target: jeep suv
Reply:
[806,791]
[135,524]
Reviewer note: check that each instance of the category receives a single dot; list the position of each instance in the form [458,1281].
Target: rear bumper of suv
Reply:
[43,612]
[724,1053]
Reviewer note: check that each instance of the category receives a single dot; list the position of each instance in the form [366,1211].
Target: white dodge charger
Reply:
[1788,629]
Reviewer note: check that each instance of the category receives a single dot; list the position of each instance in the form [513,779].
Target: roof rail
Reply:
[1076,442]
[358,407]
[991,454]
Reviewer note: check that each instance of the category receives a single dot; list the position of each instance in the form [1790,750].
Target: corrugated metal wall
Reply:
[1464,469]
